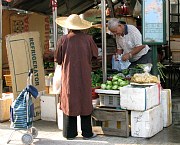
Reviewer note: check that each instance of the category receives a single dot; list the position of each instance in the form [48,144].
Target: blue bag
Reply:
[19,109]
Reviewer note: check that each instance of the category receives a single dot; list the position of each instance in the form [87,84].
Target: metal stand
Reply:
[154,58]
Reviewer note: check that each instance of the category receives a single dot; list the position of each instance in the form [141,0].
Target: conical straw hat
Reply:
[73,22]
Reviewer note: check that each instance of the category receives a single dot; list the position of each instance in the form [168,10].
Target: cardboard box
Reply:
[6,14]
[148,123]
[174,43]
[167,107]
[19,23]
[37,109]
[112,122]
[5,104]
[24,53]
[139,98]
[32,22]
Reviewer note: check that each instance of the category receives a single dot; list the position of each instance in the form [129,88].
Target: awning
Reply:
[64,7]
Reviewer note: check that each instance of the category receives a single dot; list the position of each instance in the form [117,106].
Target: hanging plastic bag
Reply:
[137,9]
[57,80]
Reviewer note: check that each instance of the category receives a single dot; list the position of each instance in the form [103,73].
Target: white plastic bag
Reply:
[119,64]
[137,9]
[57,80]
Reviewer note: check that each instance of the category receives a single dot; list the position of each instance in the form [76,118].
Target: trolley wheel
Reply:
[34,132]
[27,139]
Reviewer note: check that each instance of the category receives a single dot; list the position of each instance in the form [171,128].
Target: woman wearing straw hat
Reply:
[75,52]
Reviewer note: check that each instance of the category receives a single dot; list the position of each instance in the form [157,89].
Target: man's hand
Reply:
[116,57]
[118,52]
[125,57]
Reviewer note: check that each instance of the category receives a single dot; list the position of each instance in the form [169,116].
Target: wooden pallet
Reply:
[110,121]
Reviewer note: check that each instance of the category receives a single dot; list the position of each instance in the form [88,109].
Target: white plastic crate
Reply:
[109,100]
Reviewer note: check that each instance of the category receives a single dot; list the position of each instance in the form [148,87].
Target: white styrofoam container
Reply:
[148,123]
[101,91]
[7,95]
[48,107]
[167,107]
[95,102]
[139,98]
[60,119]
[5,103]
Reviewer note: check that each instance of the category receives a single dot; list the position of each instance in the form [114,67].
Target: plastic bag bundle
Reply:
[57,80]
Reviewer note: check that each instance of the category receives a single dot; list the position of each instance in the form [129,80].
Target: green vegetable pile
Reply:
[115,84]
[96,78]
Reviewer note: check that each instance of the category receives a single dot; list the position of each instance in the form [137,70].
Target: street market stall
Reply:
[120,93]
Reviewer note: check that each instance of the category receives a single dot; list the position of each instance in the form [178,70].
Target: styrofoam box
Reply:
[139,98]
[60,119]
[167,107]
[5,103]
[147,123]
[48,107]
[95,102]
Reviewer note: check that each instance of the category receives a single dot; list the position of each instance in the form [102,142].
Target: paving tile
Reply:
[49,134]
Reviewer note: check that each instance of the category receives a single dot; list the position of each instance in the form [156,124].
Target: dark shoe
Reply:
[71,138]
[94,135]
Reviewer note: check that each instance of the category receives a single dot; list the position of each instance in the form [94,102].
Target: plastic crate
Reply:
[8,80]
[175,55]
[109,100]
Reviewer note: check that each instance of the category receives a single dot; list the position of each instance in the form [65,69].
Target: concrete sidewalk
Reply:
[49,134]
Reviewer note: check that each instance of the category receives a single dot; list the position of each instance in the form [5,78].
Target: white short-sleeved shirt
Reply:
[132,39]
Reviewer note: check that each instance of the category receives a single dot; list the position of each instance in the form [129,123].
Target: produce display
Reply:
[115,82]
[144,78]
[48,65]
[96,78]
[115,79]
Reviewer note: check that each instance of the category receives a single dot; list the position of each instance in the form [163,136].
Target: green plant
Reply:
[160,68]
